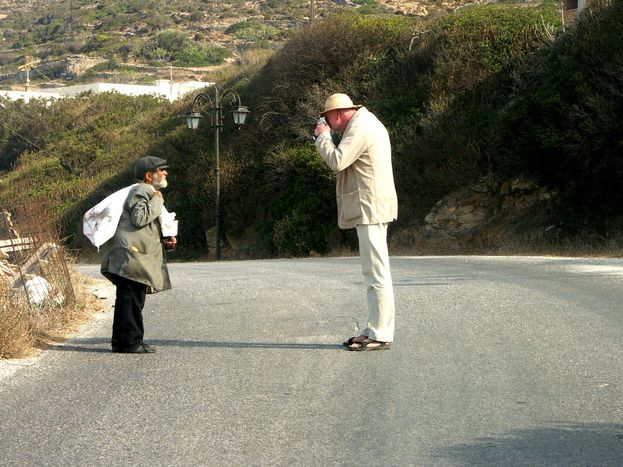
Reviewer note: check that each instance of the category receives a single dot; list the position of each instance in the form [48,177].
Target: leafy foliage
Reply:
[301,188]
[174,47]
[487,92]
[252,31]
[451,84]
[567,118]
[289,91]
[78,144]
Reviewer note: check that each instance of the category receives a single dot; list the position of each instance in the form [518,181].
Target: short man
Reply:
[134,258]
[366,200]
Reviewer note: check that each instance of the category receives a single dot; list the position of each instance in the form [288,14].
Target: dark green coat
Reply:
[136,251]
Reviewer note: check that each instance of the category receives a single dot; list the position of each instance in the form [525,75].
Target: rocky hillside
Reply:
[39,35]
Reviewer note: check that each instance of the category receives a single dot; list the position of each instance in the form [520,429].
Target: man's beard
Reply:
[159,182]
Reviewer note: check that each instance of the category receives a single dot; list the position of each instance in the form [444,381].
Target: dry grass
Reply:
[24,332]
[505,238]
[16,336]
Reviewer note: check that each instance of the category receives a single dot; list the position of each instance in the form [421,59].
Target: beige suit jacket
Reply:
[365,182]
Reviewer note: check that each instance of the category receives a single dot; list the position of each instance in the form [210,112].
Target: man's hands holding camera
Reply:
[321,127]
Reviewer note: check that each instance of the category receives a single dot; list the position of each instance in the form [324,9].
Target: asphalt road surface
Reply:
[496,361]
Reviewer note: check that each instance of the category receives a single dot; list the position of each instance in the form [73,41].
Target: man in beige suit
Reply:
[366,200]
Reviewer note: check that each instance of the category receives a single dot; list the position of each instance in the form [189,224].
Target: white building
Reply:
[163,88]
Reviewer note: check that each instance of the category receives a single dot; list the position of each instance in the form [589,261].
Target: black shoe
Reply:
[141,348]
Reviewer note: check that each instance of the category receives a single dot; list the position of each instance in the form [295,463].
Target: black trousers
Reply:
[127,327]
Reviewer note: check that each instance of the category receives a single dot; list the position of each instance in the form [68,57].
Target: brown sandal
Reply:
[351,340]
[368,344]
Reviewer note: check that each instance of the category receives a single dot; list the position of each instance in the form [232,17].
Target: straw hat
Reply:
[338,101]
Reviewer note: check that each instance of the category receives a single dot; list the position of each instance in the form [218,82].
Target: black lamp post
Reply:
[213,104]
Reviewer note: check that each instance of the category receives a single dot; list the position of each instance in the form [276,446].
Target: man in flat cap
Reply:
[367,201]
[134,258]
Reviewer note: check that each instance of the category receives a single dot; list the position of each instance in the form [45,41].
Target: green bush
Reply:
[436,84]
[165,46]
[498,36]
[301,209]
[174,47]
[320,59]
[252,31]
[447,90]
[24,130]
[74,146]
[172,40]
[201,56]
[566,120]
[368,7]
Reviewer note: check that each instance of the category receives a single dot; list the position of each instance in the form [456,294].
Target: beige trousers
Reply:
[377,275]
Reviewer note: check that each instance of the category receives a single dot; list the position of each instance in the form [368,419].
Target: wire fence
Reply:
[32,261]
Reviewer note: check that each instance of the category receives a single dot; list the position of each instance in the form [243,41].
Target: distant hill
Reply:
[65,40]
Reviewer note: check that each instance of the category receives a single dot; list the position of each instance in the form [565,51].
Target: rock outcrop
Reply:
[462,213]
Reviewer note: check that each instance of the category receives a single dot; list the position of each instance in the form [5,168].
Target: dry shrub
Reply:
[16,337]
[54,324]
[25,330]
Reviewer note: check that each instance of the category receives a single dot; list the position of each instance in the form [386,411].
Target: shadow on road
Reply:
[559,444]
[94,345]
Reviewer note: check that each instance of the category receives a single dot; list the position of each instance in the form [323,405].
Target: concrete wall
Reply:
[163,88]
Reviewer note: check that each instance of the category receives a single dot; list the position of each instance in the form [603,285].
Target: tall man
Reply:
[366,200]
[134,259]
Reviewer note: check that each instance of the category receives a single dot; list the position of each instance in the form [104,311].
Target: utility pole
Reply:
[71,16]
[26,67]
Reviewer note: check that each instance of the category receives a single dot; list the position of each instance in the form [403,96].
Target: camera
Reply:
[320,121]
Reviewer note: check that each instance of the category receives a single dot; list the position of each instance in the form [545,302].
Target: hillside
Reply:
[67,40]
[506,135]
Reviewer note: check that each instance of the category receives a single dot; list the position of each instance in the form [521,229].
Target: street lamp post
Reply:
[213,105]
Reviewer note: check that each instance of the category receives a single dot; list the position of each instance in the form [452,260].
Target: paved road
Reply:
[497,361]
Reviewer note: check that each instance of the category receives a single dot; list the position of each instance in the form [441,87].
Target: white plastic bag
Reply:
[37,289]
[168,223]
[99,223]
